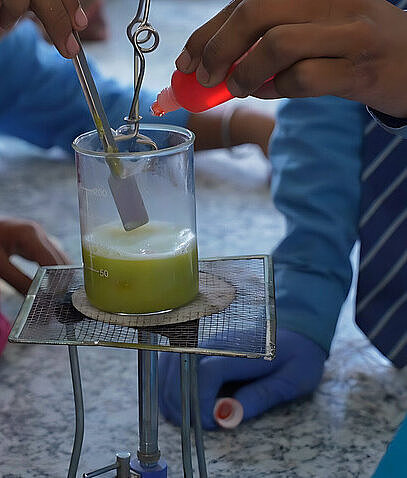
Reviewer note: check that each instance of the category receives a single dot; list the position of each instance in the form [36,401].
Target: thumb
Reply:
[265,393]
[15,277]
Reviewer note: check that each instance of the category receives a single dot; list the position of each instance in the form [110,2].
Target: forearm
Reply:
[316,169]
[231,125]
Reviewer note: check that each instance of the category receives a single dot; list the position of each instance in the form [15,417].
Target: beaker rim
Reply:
[190,138]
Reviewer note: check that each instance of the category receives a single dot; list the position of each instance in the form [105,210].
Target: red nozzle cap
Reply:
[165,102]
[228,412]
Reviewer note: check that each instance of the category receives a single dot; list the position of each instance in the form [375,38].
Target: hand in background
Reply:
[295,372]
[59,17]
[26,239]
[355,49]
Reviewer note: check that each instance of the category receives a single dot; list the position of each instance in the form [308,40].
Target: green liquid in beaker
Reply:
[150,269]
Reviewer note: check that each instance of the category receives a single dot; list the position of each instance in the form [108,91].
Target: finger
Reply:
[283,46]
[267,91]
[11,11]
[249,21]
[59,254]
[189,58]
[43,252]
[34,245]
[317,77]
[59,19]
[14,276]
[78,17]
[7,21]
[265,393]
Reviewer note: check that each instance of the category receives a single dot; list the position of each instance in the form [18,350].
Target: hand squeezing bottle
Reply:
[186,92]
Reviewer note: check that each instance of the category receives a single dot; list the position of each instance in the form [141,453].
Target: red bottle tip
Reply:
[165,102]
[156,109]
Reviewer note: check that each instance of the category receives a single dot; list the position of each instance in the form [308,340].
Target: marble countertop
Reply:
[340,432]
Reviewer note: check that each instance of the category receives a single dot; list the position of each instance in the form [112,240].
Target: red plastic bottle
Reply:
[186,92]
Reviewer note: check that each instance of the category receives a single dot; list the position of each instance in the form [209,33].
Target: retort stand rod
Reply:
[196,418]
[149,463]
[186,414]
[79,414]
[148,452]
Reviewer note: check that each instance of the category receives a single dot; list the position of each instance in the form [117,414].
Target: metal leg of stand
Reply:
[196,418]
[186,415]
[148,452]
[79,416]
[149,464]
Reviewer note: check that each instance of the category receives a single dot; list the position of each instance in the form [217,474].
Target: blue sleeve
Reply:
[41,100]
[316,163]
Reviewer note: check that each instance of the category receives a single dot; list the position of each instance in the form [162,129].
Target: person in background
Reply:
[355,51]
[26,239]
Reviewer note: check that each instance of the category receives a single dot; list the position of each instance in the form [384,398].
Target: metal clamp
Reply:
[122,466]
[139,32]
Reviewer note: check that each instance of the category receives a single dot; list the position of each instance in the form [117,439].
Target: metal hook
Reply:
[139,32]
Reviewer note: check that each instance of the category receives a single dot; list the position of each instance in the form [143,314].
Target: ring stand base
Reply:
[158,471]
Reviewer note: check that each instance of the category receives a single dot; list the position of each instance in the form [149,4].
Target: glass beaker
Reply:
[154,267]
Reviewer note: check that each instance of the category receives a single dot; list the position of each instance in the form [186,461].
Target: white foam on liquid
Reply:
[152,241]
